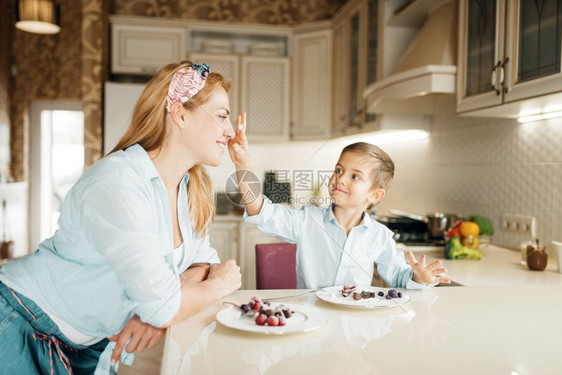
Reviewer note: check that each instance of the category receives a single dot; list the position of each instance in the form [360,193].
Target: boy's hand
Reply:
[238,146]
[429,274]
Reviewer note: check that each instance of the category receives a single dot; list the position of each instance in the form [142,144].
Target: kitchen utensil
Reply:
[558,250]
[437,224]
[537,258]
[436,221]
[453,219]
[7,248]
[409,215]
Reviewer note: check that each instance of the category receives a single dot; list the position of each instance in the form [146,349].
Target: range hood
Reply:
[427,67]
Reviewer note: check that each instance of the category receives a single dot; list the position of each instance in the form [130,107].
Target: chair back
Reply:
[275,266]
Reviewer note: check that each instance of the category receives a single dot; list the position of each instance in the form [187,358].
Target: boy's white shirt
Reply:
[326,256]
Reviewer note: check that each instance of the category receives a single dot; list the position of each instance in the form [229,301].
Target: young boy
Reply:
[338,245]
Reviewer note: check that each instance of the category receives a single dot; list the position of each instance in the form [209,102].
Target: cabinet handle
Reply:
[496,84]
[504,82]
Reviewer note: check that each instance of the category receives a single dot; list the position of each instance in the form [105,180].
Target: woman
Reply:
[132,254]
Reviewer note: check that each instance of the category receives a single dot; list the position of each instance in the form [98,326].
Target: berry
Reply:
[399,294]
[281,322]
[380,293]
[261,319]
[256,299]
[273,321]
[245,308]
[256,306]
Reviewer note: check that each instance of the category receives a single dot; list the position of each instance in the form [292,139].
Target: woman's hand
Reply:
[429,274]
[238,146]
[143,336]
[227,275]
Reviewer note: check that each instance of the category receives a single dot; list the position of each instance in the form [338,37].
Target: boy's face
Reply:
[351,184]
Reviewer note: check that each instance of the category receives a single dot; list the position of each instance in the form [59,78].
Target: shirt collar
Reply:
[142,161]
[329,217]
[144,164]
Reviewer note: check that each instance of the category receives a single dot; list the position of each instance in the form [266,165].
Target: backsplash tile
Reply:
[468,165]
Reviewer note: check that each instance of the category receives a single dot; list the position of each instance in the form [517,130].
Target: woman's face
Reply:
[209,129]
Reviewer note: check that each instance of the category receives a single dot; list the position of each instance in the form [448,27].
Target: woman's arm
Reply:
[202,286]
[143,335]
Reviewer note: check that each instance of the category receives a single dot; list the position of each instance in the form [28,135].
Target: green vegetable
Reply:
[455,250]
[486,227]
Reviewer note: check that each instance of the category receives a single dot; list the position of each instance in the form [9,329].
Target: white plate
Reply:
[333,295]
[303,320]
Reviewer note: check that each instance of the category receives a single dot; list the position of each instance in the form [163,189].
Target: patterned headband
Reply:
[186,82]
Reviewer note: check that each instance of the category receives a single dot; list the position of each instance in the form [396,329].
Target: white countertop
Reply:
[463,330]
[498,266]
[505,320]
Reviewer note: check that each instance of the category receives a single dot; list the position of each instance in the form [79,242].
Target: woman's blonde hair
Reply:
[148,129]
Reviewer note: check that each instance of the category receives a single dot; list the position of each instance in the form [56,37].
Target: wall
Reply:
[6,31]
[256,11]
[467,165]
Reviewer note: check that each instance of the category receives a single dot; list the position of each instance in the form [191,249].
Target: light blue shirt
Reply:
[326,256]
[113,254]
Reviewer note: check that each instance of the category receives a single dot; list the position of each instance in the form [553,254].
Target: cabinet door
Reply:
[372,9]
[312,85]
[481,41]
[144,50]
[340,99]
[249,237]
[264,96]
[533,47]
[227,65]
[224,239]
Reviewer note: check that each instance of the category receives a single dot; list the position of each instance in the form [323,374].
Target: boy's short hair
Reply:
[382,170]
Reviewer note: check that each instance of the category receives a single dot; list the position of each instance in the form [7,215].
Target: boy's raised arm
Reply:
[238,150]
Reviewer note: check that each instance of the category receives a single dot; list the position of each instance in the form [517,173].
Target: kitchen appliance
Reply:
[436,222]
[411,233]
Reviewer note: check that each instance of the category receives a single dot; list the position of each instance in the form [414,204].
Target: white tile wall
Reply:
[468,165]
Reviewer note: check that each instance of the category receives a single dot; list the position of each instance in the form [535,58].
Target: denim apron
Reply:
[31,343]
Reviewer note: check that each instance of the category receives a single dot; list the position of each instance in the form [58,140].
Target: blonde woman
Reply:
[132,254]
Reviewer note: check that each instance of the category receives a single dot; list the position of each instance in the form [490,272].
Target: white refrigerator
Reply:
[119,102]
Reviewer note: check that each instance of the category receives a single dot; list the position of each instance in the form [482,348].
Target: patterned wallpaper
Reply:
[6,15]
[71,65]
[48,67]
[284,12]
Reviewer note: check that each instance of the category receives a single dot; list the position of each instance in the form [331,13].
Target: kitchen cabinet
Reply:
[260,88]
[250,235]
[223,237]
[264,96]
[228,65]
[311,99]
[233,239]
[137,49]
[509,57]
[356,52]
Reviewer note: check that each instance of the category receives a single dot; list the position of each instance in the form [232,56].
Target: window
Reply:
[57,161]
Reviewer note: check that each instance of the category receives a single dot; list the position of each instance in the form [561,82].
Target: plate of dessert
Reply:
[262,316]
[363,297]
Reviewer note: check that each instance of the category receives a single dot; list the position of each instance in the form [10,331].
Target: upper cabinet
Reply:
[136,49]
[312,84]
[509,58]
[356,65]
